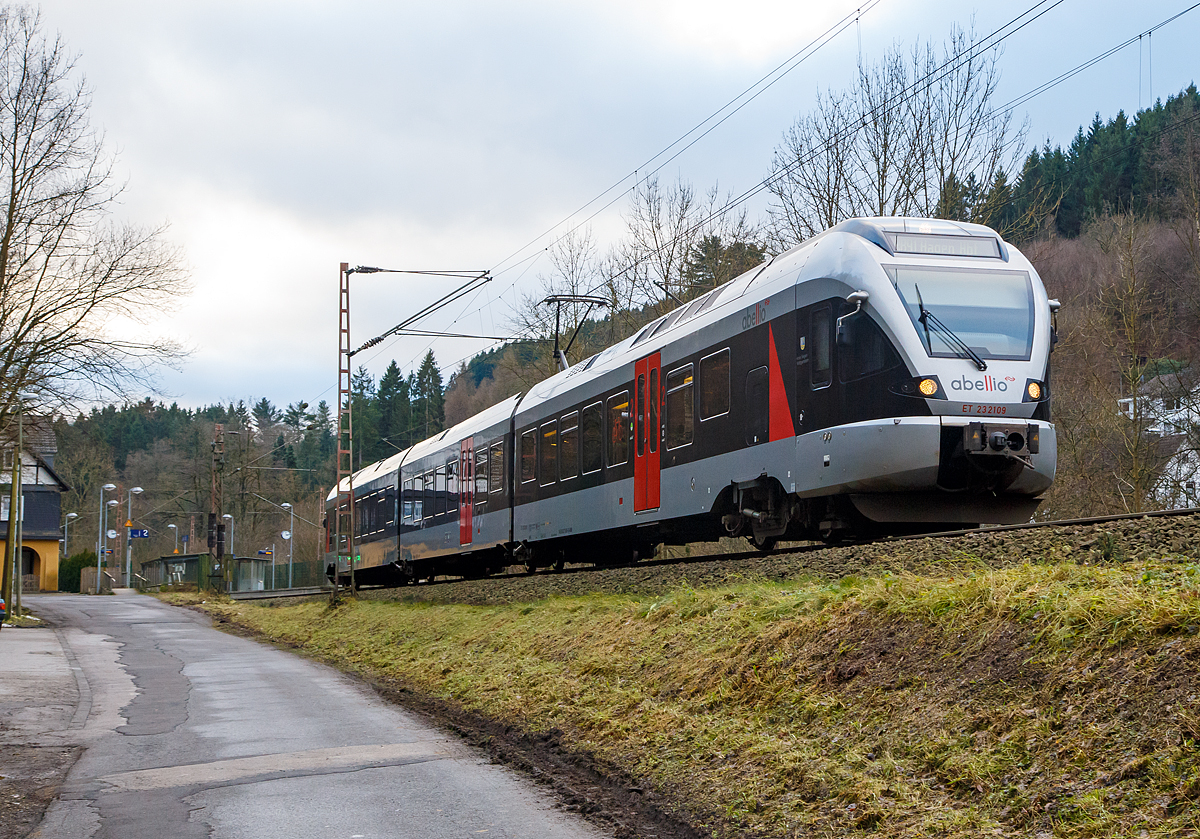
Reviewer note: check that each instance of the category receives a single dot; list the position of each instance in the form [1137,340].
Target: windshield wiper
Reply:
[929,319]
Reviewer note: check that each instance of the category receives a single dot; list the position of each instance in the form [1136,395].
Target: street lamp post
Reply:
[176,529]
[67,533]
[100,523]
[16,512]
[289,536]
[128,536]
[108,534]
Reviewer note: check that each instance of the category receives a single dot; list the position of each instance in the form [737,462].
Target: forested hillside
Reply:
[1137,166]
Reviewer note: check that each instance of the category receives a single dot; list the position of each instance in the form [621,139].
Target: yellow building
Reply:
[41,491]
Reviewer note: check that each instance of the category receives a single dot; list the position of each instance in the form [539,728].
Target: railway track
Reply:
[1186,511]
[1161,531]
[819,559]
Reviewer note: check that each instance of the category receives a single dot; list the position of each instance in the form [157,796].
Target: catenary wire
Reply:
[1034,92]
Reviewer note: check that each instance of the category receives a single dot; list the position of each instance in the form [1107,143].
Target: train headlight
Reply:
[920,387]
[1035,391]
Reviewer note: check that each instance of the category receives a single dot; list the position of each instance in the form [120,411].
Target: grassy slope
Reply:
[1047,698]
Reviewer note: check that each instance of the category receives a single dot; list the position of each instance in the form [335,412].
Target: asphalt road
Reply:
[190,732]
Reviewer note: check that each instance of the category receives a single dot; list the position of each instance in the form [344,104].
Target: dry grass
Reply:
[1047,698]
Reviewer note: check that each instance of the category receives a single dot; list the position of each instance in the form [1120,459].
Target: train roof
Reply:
[712,306]
[365,478]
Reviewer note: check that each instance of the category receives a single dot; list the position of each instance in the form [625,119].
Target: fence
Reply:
[245,573]
[87,580]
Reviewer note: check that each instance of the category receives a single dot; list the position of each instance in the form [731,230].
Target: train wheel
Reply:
[640,552]
[766,544]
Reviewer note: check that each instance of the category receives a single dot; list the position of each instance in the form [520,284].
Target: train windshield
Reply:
[990,311]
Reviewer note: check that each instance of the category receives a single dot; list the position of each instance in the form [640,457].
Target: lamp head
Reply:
[72,516]
[137,490]
[172,527]
[227,516]
[113,503]
[285,505]
[109,487]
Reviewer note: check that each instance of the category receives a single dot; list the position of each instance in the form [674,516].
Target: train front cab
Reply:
[898,430]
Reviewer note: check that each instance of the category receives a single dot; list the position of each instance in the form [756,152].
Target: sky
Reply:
[278,139]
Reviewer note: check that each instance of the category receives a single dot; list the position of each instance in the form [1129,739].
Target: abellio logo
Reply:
[756,314]
[987,383]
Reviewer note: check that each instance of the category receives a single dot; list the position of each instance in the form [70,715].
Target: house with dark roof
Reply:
[41,504]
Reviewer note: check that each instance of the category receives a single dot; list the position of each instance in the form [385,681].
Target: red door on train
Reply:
[647,433]
[466,490]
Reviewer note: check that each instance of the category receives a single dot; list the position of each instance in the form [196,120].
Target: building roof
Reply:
[37,433]
[1177,383]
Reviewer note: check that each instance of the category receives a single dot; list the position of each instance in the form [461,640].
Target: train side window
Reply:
[439,491]
[365,510]
[406,501]
[568,447]
[418,497]
[714,385]
[679,407]
[548,453]
[496,474]
[822,339]
[451,484]
[481,475]
[528,456]
[593,438]
[618,429]
[757,406]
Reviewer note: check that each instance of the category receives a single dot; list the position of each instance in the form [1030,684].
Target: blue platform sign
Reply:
[139,534]
[267,552]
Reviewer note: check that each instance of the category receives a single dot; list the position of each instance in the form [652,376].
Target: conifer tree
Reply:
[429,404]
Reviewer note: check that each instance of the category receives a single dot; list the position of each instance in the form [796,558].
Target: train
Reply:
[887,376]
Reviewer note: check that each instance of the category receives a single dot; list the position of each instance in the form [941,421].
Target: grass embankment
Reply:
[1050,697]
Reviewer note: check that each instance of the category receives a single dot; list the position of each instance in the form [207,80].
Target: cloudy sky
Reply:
[278,139]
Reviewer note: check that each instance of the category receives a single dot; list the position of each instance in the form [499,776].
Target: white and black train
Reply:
[890,375]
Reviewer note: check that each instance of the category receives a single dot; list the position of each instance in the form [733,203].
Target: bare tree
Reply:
[1115,330]
[654,267]
[917,134]
[662,224]
[885,153]
[67,272]
[812,172]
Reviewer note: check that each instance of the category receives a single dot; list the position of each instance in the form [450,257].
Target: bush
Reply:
[69,568]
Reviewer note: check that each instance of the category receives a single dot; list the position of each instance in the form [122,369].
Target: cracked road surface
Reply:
[190,732]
